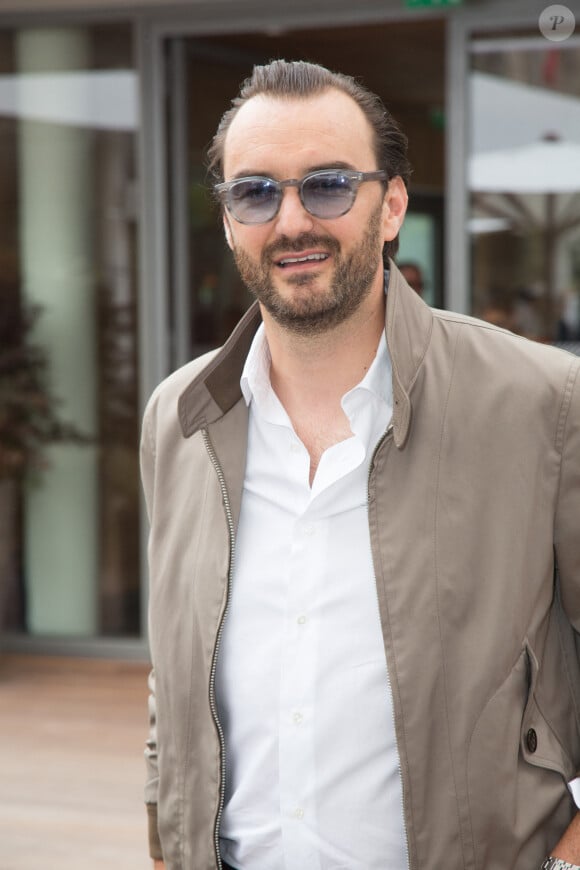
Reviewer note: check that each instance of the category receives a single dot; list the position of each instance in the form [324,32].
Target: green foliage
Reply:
[28,415]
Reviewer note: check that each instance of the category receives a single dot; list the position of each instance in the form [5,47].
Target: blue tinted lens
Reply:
[254,200]
[328,194]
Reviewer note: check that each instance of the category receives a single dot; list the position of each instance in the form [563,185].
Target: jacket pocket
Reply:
[518,798]
[539,741]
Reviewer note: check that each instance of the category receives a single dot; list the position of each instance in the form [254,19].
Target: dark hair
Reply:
[300,79]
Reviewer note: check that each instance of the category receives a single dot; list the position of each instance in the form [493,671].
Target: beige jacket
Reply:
[472,493]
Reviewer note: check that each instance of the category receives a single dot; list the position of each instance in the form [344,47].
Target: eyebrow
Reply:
[319,167]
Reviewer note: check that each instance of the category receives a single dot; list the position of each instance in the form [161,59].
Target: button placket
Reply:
[296,740]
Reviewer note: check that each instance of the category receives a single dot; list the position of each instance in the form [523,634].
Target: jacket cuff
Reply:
[154,841]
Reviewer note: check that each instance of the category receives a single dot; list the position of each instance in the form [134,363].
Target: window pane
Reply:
[525,185]
[68,236]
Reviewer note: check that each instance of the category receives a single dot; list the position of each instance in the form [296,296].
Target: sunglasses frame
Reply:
[224,189]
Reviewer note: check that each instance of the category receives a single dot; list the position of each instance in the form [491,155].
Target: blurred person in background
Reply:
[413,275]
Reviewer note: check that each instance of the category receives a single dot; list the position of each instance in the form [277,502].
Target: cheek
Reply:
[249,240]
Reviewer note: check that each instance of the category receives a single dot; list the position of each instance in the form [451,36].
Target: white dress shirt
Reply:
[312,768]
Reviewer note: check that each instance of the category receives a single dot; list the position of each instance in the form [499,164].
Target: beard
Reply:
[317,312]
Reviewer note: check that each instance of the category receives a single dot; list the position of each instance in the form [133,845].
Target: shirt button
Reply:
[299,813]
[301,620]
[297,718]
[294,448]
[309,531]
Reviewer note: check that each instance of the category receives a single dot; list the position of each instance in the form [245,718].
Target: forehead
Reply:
[285,136]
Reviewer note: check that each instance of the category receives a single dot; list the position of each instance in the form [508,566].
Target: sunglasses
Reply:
[326,194]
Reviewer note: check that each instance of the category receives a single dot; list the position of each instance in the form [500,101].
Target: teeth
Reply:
[288,260]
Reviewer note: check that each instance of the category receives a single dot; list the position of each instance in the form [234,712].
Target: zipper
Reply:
[379,444]
[212,702]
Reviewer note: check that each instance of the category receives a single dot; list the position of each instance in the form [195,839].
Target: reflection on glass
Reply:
[68,113]
[417,254]
[219,298]
[524,178]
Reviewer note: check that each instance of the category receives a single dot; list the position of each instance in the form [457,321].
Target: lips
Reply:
[304,252]
[298,259]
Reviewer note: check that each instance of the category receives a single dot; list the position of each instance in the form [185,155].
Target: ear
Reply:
[228,232]
[394,208]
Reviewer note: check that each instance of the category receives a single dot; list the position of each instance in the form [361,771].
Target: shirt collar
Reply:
[369,405]
[255,379]
[376,384]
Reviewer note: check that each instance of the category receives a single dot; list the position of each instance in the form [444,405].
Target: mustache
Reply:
[285,245]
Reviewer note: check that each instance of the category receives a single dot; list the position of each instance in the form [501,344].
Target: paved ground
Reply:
[71,764]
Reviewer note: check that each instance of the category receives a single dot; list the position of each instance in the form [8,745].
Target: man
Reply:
[364,656]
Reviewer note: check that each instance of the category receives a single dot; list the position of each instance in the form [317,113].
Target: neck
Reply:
[310,374]
[315,371]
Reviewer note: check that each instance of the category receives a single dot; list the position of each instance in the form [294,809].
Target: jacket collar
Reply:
[409,323]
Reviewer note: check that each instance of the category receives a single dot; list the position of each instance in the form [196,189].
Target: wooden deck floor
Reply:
[71,764]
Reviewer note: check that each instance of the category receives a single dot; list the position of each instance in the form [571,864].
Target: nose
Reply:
[292,218]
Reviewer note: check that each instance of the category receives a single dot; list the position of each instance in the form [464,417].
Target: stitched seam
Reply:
[395,677]
[436,562]
[188,740]
[466,320]
[423,355]
[567,668]
[148,431]
[566,404]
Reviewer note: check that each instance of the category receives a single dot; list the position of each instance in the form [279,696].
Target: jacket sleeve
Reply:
[152,783]
[567,521]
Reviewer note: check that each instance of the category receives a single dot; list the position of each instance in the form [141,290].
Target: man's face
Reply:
[287,138]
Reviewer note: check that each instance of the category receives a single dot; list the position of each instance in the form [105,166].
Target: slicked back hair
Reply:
[300,80]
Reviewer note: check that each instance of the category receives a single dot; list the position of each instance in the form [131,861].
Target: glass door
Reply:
[69,506]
